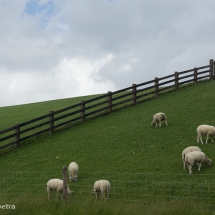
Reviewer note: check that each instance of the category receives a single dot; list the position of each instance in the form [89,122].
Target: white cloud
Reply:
[92,46]
[71,78]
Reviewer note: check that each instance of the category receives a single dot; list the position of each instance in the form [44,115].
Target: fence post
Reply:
[51,121]
[176,80]
[109,101]
[17,135]
[214,70]
[82,107]
[64,182]
[195,75]
[134,93]
[156,87]
[211,69]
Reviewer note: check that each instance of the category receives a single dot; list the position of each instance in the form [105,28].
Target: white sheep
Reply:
[73,171]
[56,184]
[100,187]
[157,118]
[205,130]
[196,157]
[187,150]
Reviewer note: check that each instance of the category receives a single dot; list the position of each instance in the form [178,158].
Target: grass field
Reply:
[22,113]
[121,147]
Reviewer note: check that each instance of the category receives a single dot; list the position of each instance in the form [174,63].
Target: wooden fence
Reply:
[13,137]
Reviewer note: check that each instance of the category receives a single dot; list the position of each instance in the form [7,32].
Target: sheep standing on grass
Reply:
[205,130]
[157,118]
[56,184]
[73,171]
[101,186]
[196,157]
[187,150]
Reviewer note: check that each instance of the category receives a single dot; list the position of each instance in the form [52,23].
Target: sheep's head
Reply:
[74,178]
[69,192]
[153,123]
[209,161]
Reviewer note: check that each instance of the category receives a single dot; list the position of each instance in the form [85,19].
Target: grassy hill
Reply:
[22,113]
[121,147]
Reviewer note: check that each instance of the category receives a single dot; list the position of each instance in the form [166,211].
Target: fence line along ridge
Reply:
[12,137]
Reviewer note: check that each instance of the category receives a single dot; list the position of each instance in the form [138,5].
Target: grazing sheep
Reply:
[56,184]
[198,157]
[205,130]
[73,171]
[187,150]
[100,187]
[157,118]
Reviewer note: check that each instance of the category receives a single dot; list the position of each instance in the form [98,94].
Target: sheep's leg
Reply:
[108,192]
[201,140]
[57,196]
[159,123]
[190,169]
[103,195]
[96,194]
[212,139]
[166,122]
[200,164]
[207,140]
[75,176]
[48,191]
[184,164]
[48,195]
[70,177]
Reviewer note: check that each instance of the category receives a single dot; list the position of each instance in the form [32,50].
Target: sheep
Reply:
[157,118]
[198,157]
[73,171]
[101,186]
[205,130]
[56,184]
[187,150]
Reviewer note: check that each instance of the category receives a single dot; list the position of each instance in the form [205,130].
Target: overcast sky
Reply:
[54,49]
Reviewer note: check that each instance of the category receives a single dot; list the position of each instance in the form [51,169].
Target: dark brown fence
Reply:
[12,137]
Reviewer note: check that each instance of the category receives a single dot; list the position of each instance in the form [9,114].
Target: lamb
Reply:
[198,157]
[157,118]
[56,184]
[73,171]
[205,130]
[187,150]
[101,186]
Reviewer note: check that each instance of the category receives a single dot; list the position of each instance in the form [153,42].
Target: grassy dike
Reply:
[109,146]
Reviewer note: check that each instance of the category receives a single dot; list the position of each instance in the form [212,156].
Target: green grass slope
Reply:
[22,113]
[124,139]
[122,142]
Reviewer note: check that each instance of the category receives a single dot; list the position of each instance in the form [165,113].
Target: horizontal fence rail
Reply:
[12,137]
[145,187]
